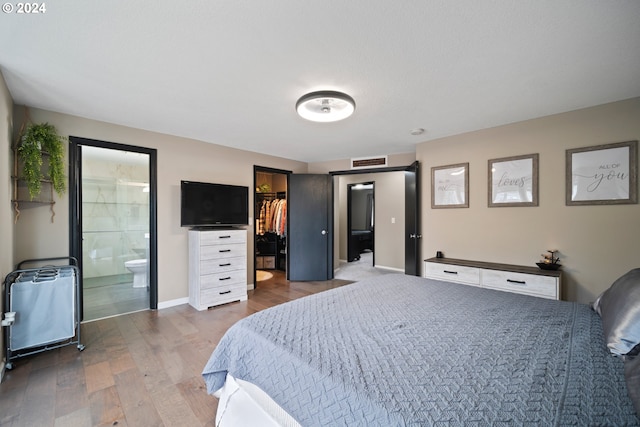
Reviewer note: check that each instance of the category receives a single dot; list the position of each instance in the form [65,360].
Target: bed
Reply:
[399,350]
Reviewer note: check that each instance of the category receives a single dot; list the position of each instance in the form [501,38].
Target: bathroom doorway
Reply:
[114,227]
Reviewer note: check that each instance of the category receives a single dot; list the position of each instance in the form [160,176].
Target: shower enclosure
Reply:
[115,230]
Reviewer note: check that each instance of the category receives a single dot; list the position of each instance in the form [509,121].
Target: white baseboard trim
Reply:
[185,300]
[397,270]
[173,303]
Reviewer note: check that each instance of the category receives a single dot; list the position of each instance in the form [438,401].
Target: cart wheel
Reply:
[80,347]
[8,366]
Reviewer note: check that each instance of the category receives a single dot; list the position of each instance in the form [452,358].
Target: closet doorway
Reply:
[361,222]
[270,212]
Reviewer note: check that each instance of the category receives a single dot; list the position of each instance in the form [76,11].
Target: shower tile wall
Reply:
[115,215]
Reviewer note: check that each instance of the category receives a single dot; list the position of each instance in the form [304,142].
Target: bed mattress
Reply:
[402,350]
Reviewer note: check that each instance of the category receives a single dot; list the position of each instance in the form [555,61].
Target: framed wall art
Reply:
[513,181]
[450,186]
[603,174]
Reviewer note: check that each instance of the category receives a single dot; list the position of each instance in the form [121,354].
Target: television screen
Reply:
[206,205]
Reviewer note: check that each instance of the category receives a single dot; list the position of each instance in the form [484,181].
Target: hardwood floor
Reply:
[139,369]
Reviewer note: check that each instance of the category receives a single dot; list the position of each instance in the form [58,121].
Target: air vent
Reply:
[369,162]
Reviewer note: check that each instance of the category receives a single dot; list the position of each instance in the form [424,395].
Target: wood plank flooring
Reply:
[139,369]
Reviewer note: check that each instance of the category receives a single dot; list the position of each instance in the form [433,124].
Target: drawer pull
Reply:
[224,265]
[519,282]
[224,250]
[450,272]
[225,278]
[224,237]
[225,292]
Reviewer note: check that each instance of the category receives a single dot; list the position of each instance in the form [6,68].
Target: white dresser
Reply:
[217,267]
[504,277]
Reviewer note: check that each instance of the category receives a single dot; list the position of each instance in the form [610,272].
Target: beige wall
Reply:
[389,203]
[597,244]
[178,158]
[6,170]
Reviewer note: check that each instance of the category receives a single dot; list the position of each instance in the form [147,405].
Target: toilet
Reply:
[139,269]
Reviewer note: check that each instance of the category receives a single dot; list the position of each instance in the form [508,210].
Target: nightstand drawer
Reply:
[452,273]
[530,284]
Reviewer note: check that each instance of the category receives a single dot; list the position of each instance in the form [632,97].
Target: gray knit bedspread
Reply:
[398,350]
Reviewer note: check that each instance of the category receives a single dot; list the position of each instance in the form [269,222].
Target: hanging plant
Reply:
[39,138]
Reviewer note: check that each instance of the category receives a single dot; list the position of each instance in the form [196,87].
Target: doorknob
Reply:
[324,232]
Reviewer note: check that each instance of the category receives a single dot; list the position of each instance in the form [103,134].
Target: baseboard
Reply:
[395,269]
[180,301]
[173,303]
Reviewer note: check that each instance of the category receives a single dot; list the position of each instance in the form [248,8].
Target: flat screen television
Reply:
[212,205]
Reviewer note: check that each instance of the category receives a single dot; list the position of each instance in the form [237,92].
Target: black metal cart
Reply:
[42,307]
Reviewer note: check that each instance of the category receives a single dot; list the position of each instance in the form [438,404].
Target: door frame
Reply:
[349,221]
[412,236]
[265,169]
[75,208]
[414,167]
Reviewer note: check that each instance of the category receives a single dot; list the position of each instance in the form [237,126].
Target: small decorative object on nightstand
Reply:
[549,261]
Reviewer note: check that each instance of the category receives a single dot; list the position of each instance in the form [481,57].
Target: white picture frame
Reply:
[513,181]
[604,174]
[450,186]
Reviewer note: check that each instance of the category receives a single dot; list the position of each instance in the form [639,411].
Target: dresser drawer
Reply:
[530,284]
[222,251]
[223,294]
[452,273]
[221,265]
[223,279]
[222,237]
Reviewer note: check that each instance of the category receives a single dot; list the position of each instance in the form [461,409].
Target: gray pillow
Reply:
[619,308]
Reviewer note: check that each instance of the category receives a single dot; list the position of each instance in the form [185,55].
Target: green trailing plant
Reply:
[39,138]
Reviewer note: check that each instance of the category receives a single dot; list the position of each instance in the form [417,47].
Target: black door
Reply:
[412,220]
[310,243]
[94,241]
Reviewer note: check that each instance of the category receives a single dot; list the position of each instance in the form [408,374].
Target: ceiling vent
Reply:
[369,162]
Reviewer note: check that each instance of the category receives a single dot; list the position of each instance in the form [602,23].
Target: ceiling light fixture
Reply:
[325,106]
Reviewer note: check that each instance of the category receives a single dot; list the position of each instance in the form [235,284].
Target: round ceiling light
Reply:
[325,106]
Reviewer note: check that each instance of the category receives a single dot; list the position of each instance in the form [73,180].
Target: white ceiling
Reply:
[230,72]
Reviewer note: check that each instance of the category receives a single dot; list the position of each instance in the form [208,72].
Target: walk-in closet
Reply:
[270,224]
